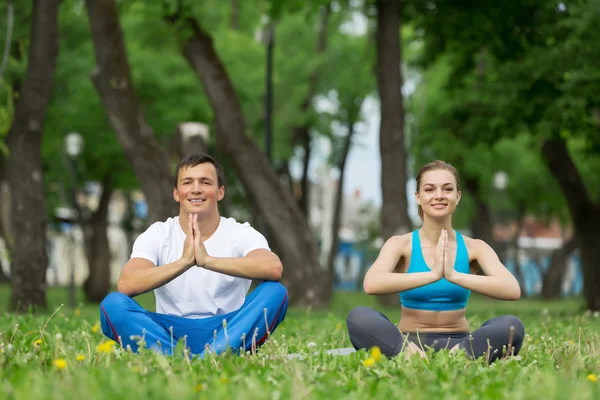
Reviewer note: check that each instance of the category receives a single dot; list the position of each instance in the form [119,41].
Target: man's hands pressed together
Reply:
[199,249]
[260,263]
[194,252]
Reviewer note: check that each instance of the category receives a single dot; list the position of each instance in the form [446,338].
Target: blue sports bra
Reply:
[441,295]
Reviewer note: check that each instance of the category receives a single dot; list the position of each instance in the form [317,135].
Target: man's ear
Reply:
[175,194]
[221,193]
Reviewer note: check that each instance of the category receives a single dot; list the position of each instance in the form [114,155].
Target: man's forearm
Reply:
[138,281]
[267,268]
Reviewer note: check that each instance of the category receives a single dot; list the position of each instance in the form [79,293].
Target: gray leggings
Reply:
[368,328]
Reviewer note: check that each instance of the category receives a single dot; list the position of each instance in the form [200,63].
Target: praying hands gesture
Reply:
[441,267]
[440,255]
[194,252]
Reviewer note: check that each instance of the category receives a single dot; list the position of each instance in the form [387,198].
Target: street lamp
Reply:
[269,39]
[73,147]
[500,180]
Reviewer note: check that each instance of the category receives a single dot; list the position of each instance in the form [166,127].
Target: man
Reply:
[200,266]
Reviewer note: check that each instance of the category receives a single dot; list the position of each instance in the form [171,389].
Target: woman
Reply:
[435,269]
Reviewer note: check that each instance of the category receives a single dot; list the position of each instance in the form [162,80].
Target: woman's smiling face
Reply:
[438,193]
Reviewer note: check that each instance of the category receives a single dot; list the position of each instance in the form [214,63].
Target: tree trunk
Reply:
[304,200]
[302,133]
[24,164]
[481,224]
[338,203]
[97,284]
[554,276]
[394,208]
[303,275]
[112,80]
[234,21]
[584,213]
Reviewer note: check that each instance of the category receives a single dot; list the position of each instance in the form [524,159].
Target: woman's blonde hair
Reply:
[434,166]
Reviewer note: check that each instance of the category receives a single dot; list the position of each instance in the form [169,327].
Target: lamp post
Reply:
[269,42]
[500,180]
[73,146]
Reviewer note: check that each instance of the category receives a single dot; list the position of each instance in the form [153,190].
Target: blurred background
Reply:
[321,113]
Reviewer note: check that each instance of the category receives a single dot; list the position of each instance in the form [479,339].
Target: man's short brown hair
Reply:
[194,159]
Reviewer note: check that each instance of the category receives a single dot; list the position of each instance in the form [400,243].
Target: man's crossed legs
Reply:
[126,322]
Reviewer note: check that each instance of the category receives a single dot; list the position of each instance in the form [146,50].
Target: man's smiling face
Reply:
[198,190]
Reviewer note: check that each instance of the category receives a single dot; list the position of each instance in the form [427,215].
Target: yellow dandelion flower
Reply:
[592,377]
[338,327]
[38,342]
[571,342]
[60,363]
[80,357]
[224,380]
[96,327]
[369,362]
[106,347]
[199,388]
[76,312]
[375,353]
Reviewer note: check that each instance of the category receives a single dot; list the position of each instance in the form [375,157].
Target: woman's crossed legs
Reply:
[368,328]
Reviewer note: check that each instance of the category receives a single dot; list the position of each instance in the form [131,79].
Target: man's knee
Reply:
[113,305]
[275,290]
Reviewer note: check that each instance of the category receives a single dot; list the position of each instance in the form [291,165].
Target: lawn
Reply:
[58,357]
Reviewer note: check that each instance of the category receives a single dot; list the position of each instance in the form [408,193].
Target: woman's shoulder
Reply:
[474,246]
[400,242]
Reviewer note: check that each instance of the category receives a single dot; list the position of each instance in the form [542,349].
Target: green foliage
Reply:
[498,79]
[559,359]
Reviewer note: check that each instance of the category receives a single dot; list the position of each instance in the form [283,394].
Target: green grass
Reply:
[561,350]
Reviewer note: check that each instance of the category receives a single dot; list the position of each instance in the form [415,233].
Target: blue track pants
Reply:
[126,322]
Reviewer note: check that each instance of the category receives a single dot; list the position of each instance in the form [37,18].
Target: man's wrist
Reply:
[207,261]
[183,264]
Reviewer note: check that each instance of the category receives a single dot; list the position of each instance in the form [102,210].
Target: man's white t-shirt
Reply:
[198,292]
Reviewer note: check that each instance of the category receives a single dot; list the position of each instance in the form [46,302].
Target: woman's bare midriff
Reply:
[433,321]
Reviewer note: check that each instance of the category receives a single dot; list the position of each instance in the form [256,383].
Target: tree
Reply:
[24,166]
[394,208]
[541,53]
[347,89]
[294,239]
[115,86]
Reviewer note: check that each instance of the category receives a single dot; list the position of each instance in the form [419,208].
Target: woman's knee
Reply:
[515,326]
[359,316]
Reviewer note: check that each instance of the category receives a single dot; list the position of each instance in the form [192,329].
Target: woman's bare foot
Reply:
[411,349]
[452,350]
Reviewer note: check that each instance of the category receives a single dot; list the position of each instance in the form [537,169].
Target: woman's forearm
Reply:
[500,288]
[392,282]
